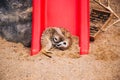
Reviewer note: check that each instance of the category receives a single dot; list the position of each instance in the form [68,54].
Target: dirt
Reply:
[102,63]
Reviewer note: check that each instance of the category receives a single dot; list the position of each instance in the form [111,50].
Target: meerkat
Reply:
[54,37]
[50,37]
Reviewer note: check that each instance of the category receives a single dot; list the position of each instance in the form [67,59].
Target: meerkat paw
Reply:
[46,53]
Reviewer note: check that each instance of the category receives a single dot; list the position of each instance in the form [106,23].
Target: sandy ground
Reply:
[103,62]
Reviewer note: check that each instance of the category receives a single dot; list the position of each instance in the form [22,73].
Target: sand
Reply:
[102,63]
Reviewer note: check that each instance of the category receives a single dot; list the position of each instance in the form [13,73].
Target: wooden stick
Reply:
[107,22]
[112,24]
[106,7]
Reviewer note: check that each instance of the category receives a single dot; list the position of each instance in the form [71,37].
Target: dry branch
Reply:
[110,9]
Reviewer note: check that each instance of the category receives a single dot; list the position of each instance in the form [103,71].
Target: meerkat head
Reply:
[57,36]
[61,38]
[65,44]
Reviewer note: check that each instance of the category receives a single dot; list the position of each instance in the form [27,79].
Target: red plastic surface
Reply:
[84,26]
[70,14]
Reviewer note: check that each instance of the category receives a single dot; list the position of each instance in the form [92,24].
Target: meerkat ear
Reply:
[71,41]
[65,32]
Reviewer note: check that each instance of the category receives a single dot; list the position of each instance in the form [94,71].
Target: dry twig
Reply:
[110,9]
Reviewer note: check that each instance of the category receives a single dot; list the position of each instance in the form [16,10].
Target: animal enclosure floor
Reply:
[103,62]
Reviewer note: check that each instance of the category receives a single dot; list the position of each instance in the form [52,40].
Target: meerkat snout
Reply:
[65,44]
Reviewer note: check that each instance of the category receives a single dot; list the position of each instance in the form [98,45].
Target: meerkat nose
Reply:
[58,45]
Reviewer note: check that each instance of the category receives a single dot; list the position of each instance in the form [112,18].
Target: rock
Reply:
[15,20]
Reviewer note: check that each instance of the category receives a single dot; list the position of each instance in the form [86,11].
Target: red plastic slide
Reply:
[70,14]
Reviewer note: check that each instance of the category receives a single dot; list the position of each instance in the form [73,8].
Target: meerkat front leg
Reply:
[46,46]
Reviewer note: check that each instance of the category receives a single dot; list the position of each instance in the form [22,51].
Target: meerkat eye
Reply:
[55,39]
[64,43]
